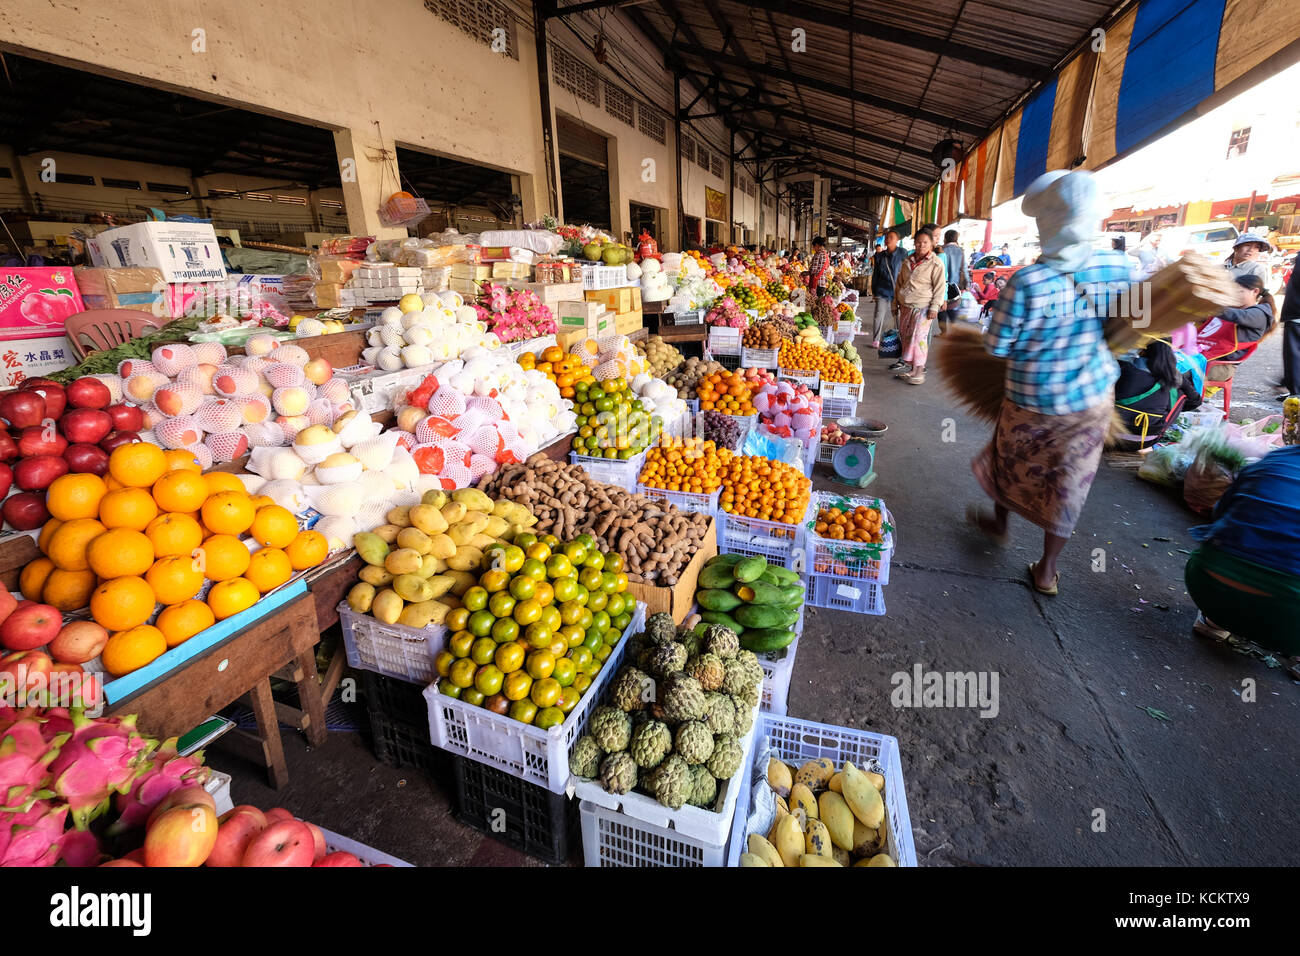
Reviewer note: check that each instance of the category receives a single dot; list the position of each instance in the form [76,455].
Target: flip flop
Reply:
[1050,592]
[976,517]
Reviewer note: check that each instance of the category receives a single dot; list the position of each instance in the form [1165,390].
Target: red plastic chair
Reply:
[1226,384]
[99,330]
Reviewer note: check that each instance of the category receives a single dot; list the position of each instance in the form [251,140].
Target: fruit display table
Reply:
[243,664]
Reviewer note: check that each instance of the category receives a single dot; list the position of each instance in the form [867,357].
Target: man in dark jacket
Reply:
[885,266]
[958,277]
[1291,333]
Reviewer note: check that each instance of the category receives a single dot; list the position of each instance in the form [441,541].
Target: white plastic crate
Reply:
[724,340]
[684,500]
[846,594]
[850,561]
[778,668]
[622,472]
[841,390]
[218,787]
[826,452]
[393,650]
[796,741]
[729,362]
[837,408]
[780,543]
[536,755]
[369,856]
[603,277]
[633,829]
[806,376]
[758,358]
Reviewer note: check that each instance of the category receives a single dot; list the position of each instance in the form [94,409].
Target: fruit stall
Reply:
[564,560]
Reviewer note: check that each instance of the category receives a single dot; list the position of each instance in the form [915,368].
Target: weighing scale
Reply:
[854,462]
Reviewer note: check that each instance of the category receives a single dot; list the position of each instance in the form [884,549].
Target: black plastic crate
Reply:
[522,815]
[395,699]
[399,725]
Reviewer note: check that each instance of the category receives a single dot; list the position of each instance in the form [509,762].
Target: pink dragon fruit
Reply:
[25,758]
[32,838]
[169,772]
[102,758]
[80,848]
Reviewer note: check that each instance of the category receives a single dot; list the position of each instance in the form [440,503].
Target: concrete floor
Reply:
[1120,738]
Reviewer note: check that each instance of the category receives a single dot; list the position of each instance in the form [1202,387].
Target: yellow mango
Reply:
[778,778]
[400,516]
[881,859]
[834,783]
[423,613]
[387,606]
[464,581]
[473,499]
[388,532]
[376,575]
[453,512]
[877,780]
[841,856]
[789,840]
[496,527]
[413,588]
[750,859]
[461,534]
[815,774]
[372,548]
[864,838]
[466,559]
[429,566]
[415,539]
[428,519]
[483,541]
[801,798]
[441,584]
[403,561]
[837,816]
[863,799]
[361,597]
[435,498]
[817,839]
[814,859]
[442,546]
[763,849]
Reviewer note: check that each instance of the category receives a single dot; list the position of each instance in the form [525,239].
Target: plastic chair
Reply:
[99,330]
[1226,384]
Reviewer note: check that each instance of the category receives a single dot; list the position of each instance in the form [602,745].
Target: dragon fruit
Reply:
[80,848]
[32,838]
[169,772]
[102,758]
[25,758]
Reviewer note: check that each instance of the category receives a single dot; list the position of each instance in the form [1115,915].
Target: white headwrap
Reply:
[1067,207]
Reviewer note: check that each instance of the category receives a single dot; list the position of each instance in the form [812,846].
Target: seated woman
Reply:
[1149,388]
[986,292]
[1245,576]
[1221,338]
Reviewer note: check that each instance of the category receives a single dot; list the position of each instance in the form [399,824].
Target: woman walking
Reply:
[1048,324]
[921,293]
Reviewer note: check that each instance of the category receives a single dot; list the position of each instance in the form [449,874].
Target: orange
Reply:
[47,532]
[307,549]
[68,544]
[120,552]
[224,557]
[230,597]
[130,508]
[137,465]
[274,527]
[33,577]
[180,622]
[228,512]
[222,481]
[132,648]
[268,569]
[174,534]
[112,484]
[261,501]
[178,459]
[75,496]
[180,491]
[68,590]
[175,578]
[122,603]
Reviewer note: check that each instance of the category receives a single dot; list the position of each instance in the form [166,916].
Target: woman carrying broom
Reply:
[1049,326]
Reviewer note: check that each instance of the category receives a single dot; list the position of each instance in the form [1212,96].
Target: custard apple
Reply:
[632,689]
[721,714]
[694,742]
[618,773]
[708,669]
[667,659]
[671,782]
[691,641]
[683,700]
[660,629]
[725,759]
[611,728]
[705,789]
[585,759]
[721,641]
[650,744]
[744,716]
[738,679]
[644,659]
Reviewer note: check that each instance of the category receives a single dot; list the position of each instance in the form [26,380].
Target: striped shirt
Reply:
[1049,326]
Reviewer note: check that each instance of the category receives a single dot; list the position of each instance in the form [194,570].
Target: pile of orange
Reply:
[857,524]
[685,464]
[726,392]
[566,371]
[754,487]
[832,368]
[154,531]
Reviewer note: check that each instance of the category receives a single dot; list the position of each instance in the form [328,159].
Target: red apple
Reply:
[185,796]
[36,474]
[41,440]
[86,459]
[56,400]
[8,447]
[7,604]
[25,511]
[22,409]
[6,479]
[26,671]
[236,830]
[278,813]
[118,438]
[89,425]
[30,625]
[319,839]
[126,418]
[77,642]
[282,843]
[89,392]
[338,858]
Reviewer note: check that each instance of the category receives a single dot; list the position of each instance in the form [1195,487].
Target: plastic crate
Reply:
[837,408]
[826,452]
[369,856]
[522,815]
[846,594]
[850,561]
[841,390]
[621,472]
[633,829]
[778,542]
[724,340]
[778,668]
[399,725]
[810,377]
[684,500]
[729,362]
[394,650]
[603,277]
[796,741]
[758,358]
[694,317]
[538,756]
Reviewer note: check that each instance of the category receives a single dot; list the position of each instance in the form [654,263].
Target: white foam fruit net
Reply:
[458,475]
[488,406]
[471,421]
[447,403]
[434,428]
[480,465]
[486,441]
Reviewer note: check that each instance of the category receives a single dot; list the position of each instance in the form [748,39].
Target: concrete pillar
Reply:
[368,180]
[821,205]
[620,212]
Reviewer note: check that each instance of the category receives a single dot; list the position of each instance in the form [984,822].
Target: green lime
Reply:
[533,568]
[501,604]
[600,620]
[597,600]
[475,599]
[566,589]
[482,651]
[505,630]
[622,621]
[523,587]
[615,604]
[564,672]
[593,639]
[445,686]
[594,559]
[548,717]
[480,623]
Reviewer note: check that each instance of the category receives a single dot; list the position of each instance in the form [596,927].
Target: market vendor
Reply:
[1247,257]
[1151,387]
[819,268]
[922,293]
[1245,576]
[1060,374]
[1222,338]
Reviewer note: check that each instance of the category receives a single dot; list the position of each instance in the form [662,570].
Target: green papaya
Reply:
[723,618]
[756,592]
[750,569]
[718,576]
[761,639]
[792,595]
[730,560]
[780,576]
[717,599]
[791,617]
[760,615]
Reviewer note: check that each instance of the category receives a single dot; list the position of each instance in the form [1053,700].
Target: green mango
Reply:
[762,639]
[717,599]
[750,569]
[723,618]
[718,576]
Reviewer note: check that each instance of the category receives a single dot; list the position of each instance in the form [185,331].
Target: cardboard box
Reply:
[184,251]
[616,300]
[628,322]
[143,290]
[680,598]
[551,293]
[32,358]
[567,337]
[586,311]
[34,303]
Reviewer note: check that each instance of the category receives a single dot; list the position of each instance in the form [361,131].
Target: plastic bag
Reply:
[1205,482]
[1166,465]
[891,345]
